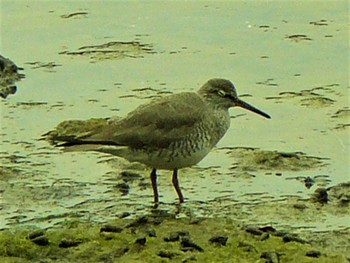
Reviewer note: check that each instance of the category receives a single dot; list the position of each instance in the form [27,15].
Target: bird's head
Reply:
[222,93]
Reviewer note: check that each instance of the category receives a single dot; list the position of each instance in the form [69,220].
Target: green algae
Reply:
[125,246]
[251,159]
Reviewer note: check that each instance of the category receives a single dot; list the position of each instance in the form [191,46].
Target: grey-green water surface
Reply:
[288,58]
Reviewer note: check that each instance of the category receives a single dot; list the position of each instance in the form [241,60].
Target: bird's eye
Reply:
[221,93]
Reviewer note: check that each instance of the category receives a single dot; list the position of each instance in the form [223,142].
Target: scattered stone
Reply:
[313,254]
[111,228]
[37,237]
[41,241]
[124,214]
[158,220]
[219,240]
[167,254]
[151,233]
[120,251]
[196,221]
[247,247]
[300,207]
[35,234]
[290,237]
[69,243]
[123,188]
[138,222]
[188,245]
[320,196]
[175,236]
[271,256]
[264,236]
[254,231]
[309,182]
[267,229]
[190,259]
[129,176]
[141,241]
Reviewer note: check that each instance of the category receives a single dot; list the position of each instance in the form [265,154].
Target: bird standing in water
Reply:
[171,133]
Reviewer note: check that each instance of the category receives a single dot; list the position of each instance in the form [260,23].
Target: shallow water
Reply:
[288,60]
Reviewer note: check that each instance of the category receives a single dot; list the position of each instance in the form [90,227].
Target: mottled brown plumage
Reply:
[170,133]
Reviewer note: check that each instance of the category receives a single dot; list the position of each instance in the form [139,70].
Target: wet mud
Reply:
[273,191]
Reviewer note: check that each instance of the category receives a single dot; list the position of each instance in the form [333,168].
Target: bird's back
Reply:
[155,124]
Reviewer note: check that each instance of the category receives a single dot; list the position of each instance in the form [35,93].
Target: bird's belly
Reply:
[168,159]
[177,160]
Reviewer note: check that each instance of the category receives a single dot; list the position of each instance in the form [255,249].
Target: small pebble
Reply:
[175,236]
[271,256]
[41,241]
[151,233]
[36,234]
[123,188]
[264,236]
[289,238]
[141,241]
[308,181]
[191,258]
[120,251]
[219,240]
[124,214]
[247,247]
[267,229]
[254,231]
[129,176]
[313,254]
[110,228]
[69,243]
[138,222]
[188,245]
[167,254]
[320,196]
[300,207]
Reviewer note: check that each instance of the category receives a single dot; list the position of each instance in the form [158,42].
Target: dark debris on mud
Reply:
[9,75]
[113,50]
[151,239]
[253,159]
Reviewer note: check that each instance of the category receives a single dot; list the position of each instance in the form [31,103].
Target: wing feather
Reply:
[155,124]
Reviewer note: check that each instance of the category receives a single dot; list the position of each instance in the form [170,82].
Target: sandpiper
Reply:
[172,132]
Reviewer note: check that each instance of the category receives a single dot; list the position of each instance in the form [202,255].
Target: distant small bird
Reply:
[172,132]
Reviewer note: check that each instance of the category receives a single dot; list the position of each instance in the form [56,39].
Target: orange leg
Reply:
[177,186]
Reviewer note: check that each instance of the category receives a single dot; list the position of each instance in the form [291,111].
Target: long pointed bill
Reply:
[245,105]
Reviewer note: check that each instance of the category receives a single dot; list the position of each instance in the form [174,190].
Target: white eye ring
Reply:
[221,93]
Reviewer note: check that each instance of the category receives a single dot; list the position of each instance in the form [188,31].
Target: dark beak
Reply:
[245,105]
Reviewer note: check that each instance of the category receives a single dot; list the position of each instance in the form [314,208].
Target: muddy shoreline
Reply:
[160,237]
[272,191]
